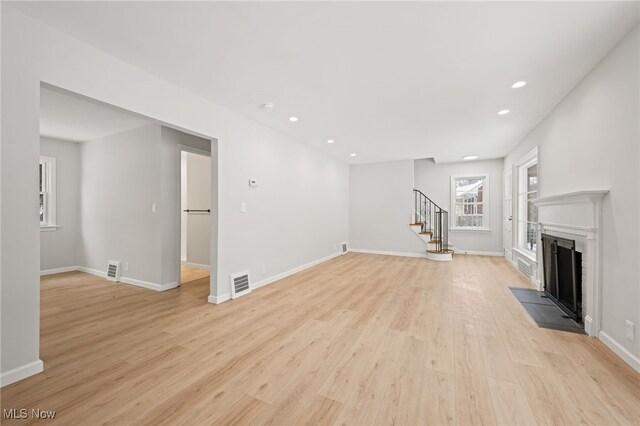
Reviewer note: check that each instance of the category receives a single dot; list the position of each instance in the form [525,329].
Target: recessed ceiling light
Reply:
[353,154]
[293,119]
[268,106]
[330,141]
[519,84]
[469,157]
[503,112]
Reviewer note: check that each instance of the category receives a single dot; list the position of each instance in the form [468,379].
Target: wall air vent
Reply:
[524,267]
[240,284]
[113,271]
[344,247]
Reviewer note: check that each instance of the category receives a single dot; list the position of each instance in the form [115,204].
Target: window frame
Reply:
[486,206]
[48,192]
[530,159]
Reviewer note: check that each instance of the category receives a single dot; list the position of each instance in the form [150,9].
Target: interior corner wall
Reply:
[380,208]
[434,180]
[297,215]
[591,140]
[59,248]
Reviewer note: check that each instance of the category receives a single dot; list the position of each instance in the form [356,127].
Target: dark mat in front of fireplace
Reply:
[544,312]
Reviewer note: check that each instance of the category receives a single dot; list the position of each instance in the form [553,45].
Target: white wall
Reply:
[198,198]
[592,141]
[380,208]
[59,247]
[434,180]
[297,215]
[119,183]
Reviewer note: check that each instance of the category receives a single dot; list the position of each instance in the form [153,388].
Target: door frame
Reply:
[190,149]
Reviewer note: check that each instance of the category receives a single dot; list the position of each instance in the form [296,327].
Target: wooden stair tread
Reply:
[434,241]
[415,224]
[426,232]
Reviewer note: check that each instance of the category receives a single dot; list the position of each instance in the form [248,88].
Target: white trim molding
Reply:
[578,216]
[195,265]
[216,300]
[390,253]
[227,296]
[59,270]
[131,281]
[572,198]
[300,268]
[620,350]
[486,204]
[478,253]
[22,372]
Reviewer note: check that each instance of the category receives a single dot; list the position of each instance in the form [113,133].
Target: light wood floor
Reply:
[189,274]
[361,339]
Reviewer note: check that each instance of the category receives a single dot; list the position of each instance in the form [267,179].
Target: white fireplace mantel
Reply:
[578,216]
[572,197]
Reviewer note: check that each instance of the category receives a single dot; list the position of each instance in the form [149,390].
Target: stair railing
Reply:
[431,218]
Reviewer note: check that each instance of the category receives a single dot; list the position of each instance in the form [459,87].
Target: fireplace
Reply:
[562,266]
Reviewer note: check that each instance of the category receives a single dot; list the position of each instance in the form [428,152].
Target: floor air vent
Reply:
[113,271]
[240,284]
[344,247]
[524,267]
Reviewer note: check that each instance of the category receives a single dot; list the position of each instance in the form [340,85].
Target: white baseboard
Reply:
[620,350]
[196,265]
[21,372]
[479,253]
[285,274]
[218,299]
[131,281]
[588,326]
[390,253]
[277,277]
[58,270]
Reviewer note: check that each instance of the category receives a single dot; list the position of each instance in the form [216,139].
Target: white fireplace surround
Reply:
[578,216]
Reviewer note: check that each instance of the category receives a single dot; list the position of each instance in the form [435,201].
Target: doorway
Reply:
[195,214]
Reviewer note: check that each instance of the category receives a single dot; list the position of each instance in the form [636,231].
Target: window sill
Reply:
[48,228]
[524,253]
[470,229]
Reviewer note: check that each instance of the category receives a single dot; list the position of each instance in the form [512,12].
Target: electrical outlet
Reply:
[126,266]
[264,269]
[630,331]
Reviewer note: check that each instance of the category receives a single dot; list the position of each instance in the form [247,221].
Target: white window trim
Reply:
[525,162]
[50,223]
[485,203]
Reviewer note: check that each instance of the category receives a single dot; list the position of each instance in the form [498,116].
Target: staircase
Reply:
[431,224]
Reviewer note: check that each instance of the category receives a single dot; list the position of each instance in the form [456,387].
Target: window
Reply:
[47,177]
[527,213]
[470,202]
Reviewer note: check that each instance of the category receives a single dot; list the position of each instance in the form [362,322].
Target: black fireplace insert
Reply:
[563,274]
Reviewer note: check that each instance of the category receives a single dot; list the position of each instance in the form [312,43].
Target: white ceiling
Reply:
[67,117]
[385,80]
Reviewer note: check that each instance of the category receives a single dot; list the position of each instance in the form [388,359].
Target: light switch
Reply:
[154,208]
[243,207]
